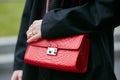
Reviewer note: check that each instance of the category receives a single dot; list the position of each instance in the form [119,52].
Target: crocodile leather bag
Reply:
[65,54]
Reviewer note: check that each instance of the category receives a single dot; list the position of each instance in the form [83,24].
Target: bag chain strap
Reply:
[47,6]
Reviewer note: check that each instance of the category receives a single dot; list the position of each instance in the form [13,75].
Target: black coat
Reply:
[98,18]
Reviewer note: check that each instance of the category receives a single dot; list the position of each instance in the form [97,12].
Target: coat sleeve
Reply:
[21,42]
[94,16]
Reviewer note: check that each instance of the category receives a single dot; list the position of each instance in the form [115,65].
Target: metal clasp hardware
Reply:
[52,51]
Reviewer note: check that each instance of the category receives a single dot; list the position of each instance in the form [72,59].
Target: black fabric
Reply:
[98,18]
[94,16]
[21,42]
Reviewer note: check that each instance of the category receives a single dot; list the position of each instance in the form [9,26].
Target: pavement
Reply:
[7,47]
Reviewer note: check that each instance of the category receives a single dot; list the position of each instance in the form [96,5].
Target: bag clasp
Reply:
[52,51]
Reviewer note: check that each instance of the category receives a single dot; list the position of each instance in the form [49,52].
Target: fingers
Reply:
[17,75]
[34,31]
[20,76]
[34,38]
[32,28]
[31,32]
[14,76]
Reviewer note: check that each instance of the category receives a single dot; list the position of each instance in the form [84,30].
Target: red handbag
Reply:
[65,54]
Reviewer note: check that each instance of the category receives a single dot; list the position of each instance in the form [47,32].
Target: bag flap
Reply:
[73,42]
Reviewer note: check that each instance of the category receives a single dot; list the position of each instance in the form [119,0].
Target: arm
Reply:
[94,16]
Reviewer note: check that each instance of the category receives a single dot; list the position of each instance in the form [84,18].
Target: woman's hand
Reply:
[17,75]
[34,31]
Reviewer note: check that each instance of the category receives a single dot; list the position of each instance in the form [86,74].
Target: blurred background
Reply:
[10,17]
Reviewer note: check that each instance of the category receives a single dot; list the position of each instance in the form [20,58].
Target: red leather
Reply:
[72,54]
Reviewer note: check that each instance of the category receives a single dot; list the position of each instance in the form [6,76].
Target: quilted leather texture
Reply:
[72,54]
